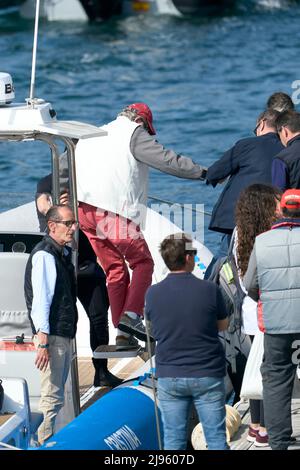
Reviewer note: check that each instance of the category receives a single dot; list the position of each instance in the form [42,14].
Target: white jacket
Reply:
[108,176]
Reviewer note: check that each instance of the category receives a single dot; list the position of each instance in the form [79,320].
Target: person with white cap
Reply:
[112,186]
[273,279]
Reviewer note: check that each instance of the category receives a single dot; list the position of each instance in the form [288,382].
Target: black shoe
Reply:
[103,378]
[134,327]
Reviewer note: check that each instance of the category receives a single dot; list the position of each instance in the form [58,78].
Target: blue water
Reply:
[206,80]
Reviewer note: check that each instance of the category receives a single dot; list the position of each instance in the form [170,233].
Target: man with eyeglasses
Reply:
[91,280]
[112,185]
[286,165]
[186,314]
[50,293]
[249,161]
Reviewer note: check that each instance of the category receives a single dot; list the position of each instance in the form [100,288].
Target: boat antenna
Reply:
[31,98]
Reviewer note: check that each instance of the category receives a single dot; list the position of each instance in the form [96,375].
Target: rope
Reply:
[153,198]
[180,205]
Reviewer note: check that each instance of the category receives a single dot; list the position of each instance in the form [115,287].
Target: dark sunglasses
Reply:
[191,252]
[257,126]
[67,223]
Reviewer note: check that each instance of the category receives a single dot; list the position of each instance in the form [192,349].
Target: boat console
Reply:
[19,242]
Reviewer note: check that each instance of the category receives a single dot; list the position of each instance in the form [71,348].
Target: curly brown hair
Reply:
[255,213]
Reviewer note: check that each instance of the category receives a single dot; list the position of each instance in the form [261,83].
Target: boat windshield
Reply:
[22,165]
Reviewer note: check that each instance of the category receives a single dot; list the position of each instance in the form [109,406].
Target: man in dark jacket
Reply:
[50,293]
[286,165]
[249,161]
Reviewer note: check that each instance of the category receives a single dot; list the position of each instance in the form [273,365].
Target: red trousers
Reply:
[115,241]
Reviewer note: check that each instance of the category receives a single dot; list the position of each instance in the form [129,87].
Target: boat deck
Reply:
[123,368]
[240,442]
[5,417]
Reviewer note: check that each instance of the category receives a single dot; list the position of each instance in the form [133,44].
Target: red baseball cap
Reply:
[291,199]
[145,112]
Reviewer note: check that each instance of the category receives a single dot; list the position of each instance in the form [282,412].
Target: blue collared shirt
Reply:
[43,279]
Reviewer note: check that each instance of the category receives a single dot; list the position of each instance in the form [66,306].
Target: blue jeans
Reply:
[176,396]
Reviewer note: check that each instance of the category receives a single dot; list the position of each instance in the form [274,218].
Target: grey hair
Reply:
[54,212]
[130,113]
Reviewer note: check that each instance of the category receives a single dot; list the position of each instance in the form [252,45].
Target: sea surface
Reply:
[206,80]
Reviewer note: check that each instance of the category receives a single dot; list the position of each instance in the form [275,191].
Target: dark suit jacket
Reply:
[249,161]
[290,156]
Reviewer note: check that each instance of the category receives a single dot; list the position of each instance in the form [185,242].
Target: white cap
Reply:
[7,91]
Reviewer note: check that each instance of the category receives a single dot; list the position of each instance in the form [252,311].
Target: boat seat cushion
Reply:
[14,323]
[13,311]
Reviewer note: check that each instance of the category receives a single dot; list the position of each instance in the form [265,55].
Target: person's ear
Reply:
[287,133]
[262,126]
[51,226]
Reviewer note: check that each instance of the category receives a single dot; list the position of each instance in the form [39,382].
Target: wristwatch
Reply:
[43,346]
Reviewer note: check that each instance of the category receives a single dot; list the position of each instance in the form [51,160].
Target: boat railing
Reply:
[7,197]
[183,206]
[4,446]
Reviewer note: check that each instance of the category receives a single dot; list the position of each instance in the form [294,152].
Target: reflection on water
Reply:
[206,80]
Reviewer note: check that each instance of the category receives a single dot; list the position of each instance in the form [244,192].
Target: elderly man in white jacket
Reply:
[112,185]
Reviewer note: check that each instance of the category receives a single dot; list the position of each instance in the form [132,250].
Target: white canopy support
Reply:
[72,129]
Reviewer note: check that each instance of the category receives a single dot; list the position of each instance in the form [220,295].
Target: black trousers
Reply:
[256,406]
[257,412]
[92,293]
[278,374]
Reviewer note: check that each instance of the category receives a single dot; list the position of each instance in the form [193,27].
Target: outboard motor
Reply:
[7,91]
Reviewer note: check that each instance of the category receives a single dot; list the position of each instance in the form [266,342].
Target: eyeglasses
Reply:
[67,223]
[257,126]
[191,252]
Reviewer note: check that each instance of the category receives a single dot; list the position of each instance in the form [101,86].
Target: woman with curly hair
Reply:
[257,208]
